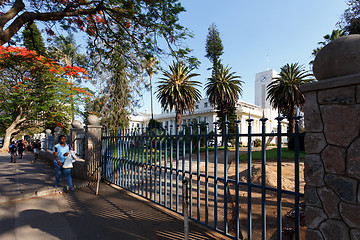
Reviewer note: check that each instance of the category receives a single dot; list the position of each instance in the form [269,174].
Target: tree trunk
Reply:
[151,97]
[10,131]
[178,119]
[292,121]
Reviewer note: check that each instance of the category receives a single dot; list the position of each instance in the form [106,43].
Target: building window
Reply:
[196,106]
[205,105]
[205,119]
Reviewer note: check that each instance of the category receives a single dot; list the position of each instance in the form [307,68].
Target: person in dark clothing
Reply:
[36,148]
[20,148]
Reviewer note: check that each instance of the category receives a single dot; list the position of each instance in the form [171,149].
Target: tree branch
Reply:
[25,17]
[18,7]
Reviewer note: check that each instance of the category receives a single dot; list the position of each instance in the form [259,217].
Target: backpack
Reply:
[21,146]
[13,148]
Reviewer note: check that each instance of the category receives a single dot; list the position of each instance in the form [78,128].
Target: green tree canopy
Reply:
[350,21]
[33,39]
[34,91]
[214,47]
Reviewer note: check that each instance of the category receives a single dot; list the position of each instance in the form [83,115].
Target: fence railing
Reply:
[239,197]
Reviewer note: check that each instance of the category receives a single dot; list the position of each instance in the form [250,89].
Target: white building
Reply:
[206,113]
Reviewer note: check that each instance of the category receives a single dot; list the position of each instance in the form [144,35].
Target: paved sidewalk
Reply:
[28,178]
[53,214]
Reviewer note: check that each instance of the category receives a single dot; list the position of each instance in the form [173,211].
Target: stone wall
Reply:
[332,164]
[79,167]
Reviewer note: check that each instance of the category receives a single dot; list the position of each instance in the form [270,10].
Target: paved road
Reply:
[30,208]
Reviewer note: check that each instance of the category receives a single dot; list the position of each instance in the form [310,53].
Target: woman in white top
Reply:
[61,150]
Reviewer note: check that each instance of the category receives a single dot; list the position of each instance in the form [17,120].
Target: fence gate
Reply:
[249,196]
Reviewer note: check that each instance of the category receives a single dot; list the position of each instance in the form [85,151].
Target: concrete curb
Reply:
[210,232]
[45,191]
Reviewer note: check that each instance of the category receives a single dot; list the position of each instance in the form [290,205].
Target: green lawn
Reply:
[272,154]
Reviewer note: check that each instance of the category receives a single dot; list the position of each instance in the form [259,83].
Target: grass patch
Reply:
[272,154]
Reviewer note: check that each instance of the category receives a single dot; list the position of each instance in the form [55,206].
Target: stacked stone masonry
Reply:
[332,164]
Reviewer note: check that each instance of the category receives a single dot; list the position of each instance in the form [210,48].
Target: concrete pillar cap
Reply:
[57,129]
[93,120]
[341,57]
[76,124]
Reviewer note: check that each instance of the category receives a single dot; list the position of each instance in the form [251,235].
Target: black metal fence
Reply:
[240,197]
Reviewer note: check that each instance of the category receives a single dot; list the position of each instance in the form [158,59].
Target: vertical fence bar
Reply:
[142,161]
[190,170]
[132,159]
[166,167]
[138,147]
[297,180]
[155,164]
[207,175]
[151,160]
[226,186]
[237,145]
[279,183]
[147,163]
[171,167]
[129,159]
[121,156]
[249,120]
[185,194]
[263,177]
[160,164]
[116,174]
[198,171]
[183,153]
[177,166]
[215,175]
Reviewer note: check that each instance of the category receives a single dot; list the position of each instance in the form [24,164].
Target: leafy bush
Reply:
[257,142]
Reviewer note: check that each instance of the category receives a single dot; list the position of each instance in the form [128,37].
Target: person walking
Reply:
[20,148]
[61,150]
[36,148]
[12,151]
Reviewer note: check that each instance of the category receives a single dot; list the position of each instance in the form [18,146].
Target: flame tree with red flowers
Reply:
[136,25]
[34,91]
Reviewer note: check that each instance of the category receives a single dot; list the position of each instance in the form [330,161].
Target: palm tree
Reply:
[177,91]
[150,63]
[66,51]
[284,92]
[223,89]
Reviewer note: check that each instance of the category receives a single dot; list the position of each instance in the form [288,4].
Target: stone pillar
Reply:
[76,132]
[47,134]
[92,146]
[332,142]
[57,133]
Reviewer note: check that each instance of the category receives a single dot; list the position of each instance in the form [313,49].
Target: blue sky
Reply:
[284,30]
